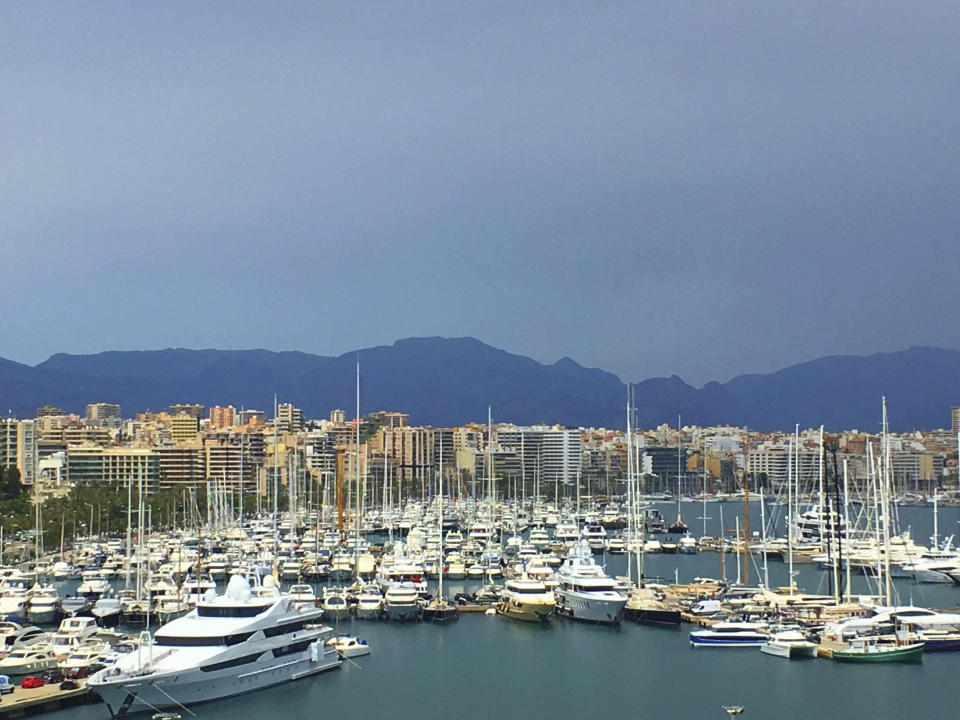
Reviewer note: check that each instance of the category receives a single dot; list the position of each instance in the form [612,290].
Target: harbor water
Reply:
[485,666]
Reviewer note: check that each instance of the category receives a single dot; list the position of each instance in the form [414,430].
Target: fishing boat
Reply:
[875,649]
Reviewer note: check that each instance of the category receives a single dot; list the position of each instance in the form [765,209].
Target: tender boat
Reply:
[230,644]
[349,646]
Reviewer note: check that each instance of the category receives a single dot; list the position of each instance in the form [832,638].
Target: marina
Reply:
[625,650]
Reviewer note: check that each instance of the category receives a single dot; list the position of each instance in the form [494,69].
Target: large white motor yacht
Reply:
[229,644]
[585,591]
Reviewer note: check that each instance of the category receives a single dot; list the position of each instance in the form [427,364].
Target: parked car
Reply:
[5,685]
[52,676]
[83,672]
[31,681]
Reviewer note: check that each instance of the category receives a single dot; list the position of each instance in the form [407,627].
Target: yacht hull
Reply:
[591,610]
[150,693]
[788,650]
[402,613]
[525,611]
[653,616]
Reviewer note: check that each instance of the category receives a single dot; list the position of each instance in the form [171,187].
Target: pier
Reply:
[43,699]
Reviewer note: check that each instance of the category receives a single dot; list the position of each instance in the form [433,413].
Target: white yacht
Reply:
[401,602]
[369,603]
[25,661]
[526,598]
[229,644]
[43,604]
[789,643]
[585,592]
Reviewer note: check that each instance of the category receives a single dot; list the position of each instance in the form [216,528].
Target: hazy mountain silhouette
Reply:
[451,381]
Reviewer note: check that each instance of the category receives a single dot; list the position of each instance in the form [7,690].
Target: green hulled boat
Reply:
[870,650]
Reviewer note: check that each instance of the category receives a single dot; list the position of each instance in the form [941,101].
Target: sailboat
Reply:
[679,527]
[439,610]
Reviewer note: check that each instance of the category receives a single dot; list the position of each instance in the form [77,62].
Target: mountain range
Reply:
[451,381]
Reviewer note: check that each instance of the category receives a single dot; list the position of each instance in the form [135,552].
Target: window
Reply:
[290,649]
[231,611]
[243,660]
[284,629]
[209,641]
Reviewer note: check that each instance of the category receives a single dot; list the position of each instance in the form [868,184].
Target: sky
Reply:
[654,188]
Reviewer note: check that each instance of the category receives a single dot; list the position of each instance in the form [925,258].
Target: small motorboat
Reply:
[349,646]
[789,644]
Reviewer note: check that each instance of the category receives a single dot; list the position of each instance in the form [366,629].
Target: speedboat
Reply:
[229,644]
[74,605]
[13,601]
[14,635]
[349,646]
[106,610]
[85,656]
[93,585]
[27,661]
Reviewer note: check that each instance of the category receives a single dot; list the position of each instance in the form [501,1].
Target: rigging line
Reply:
[177,702]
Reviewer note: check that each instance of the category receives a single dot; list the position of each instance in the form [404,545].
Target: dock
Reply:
[49,697]
[474,608]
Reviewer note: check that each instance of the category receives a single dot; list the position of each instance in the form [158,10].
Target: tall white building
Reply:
[552,452]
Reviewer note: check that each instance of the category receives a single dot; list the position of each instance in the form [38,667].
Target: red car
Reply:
[31,682]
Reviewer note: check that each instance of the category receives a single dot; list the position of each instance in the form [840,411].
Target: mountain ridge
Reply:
[451,381]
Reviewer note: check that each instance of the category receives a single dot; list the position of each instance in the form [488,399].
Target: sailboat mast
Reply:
[746,521]
[276,475]
[631,498]
[790,472]
[885,499]
[440,520]
[356,535]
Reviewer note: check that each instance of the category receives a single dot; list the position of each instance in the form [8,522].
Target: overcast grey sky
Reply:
[700,188]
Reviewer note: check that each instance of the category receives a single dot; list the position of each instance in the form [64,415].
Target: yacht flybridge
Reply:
[244,640]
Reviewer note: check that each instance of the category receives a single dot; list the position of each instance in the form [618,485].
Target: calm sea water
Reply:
[486,666]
